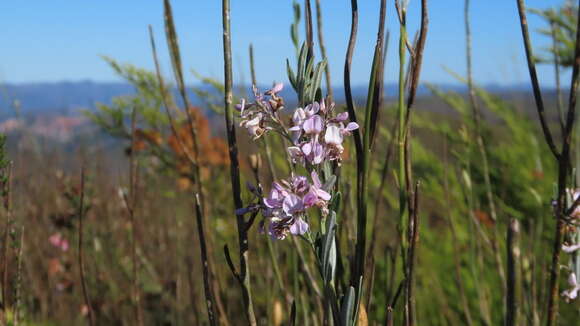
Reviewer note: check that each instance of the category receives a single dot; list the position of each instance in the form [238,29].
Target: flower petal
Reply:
[299,227]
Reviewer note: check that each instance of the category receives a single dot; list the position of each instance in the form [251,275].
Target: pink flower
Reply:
[286,206]
[571,248]
[334,137]
[276,197]
[59,241]
[254,125]
[315,123]
[316,196]
[572,293]
[258,117]
[574,193]
[280,227]
[277,88]
[313,151]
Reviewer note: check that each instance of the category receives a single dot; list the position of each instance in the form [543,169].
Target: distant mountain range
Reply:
[69,97]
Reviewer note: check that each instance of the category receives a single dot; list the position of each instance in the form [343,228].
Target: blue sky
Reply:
[61,39]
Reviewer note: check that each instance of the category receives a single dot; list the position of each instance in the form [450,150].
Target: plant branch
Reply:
[534,79]
[351,108]
[80,251]
[323,49]
[244,274]
[209,295]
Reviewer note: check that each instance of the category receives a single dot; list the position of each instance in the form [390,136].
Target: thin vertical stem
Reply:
[372,106]
[417,55]
[480,142]
[513,253]
[401,128]
[244,274]
[80,251]
[454,240]
[308,30]
[174,52]
[131,206]
[562,158]
[413,237]
[347,88]
[559,104]
[17,290]
[323,49]
[7,203]
[209,296]
[477,114]
[534,79]
[265,139]
[563,173]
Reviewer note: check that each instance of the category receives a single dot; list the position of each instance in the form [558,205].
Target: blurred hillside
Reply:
[68,97]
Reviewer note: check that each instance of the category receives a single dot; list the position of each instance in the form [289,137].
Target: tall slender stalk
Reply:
[18,285]
[130,203]
[323,49]
[372,106]
[192,157]
[308,30]
[413,235]
[401,109]
[266,141]
[174,52]
[244,273]
[513,289]
[209,296]
[347,88]
[6,179]
[80,256]
[454,240]
[476,114]
[559,103]
[534,79]
[5,194]
[562,158]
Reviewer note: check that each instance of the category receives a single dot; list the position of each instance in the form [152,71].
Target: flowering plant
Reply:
[314,139]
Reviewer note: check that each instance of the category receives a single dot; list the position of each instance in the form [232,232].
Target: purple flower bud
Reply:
[312,109]
[240,107]
[277,88]
[350,127]
[343,116]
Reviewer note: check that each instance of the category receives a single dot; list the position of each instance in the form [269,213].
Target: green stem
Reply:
[402,114]
[244,274]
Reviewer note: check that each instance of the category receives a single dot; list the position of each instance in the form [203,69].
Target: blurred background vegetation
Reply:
[461,258]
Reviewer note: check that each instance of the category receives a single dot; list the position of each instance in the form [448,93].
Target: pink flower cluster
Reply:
[256,116]
[572,292]
[318,134]
[288,201]
[58,241]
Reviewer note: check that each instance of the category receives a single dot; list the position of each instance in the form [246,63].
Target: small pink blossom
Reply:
[254,125]
[261,116]
[571,248]
[572,292]
[286,206]
[318,133]
[58,241]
